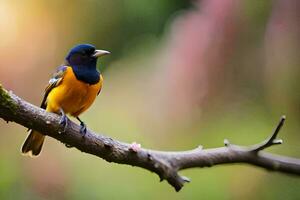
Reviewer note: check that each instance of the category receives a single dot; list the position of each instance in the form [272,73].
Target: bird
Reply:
[71,90]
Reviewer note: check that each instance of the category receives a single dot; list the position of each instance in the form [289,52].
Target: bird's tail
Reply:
[33,143]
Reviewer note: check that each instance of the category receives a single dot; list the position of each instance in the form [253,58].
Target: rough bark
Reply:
[165,164]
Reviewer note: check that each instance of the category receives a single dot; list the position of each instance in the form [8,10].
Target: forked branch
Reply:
[165,164]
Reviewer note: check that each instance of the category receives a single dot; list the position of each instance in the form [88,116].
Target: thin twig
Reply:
[272,140]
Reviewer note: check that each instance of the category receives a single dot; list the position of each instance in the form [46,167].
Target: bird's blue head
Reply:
[83,60]
[84,55]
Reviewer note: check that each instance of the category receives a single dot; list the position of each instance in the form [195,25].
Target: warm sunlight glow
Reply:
[8,23]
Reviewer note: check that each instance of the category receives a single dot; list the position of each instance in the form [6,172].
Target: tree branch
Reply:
[165,164]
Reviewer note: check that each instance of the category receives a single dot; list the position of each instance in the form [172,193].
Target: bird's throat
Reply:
[86,74]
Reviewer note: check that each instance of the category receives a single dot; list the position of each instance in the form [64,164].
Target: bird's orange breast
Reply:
[72,95]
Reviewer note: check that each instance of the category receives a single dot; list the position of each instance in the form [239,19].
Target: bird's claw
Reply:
[63,120]
[83,129]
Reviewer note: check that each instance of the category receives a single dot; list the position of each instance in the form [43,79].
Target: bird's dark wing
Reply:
[53,82]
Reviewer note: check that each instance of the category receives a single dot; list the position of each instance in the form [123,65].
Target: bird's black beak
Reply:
[99,53]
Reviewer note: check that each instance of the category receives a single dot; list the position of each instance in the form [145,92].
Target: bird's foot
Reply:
[63,120]
[83,129]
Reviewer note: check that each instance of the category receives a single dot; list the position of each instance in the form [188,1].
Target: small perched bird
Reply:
[71,90]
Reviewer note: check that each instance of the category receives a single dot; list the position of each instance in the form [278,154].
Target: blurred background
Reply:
[181,74]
